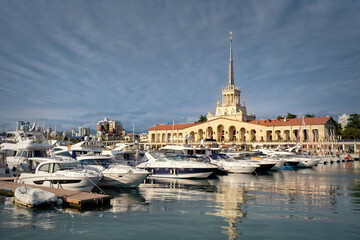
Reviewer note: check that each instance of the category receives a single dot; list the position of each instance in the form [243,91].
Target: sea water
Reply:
[318,203]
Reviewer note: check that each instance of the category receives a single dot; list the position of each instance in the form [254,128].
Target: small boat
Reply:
[114,174]
[307,162]
[61,173]
[175,167]
[34,197]
[230,165]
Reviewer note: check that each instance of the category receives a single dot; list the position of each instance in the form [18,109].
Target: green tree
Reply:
[202,119]
[352,129]
[310,115]
[350,134]
[290,115]
[279,117]
[354,121]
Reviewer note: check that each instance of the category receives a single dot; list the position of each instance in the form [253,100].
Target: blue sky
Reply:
[72,63]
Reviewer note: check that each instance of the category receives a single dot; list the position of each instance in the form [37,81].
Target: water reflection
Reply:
[176,189]
[354,192]
[126,200]
[230,201]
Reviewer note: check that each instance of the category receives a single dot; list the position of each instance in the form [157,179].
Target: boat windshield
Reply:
[102,162]
[181,159]
[65,166]
[217,156]
[31,153]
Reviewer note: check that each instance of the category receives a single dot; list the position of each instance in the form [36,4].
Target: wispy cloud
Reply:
[148,62]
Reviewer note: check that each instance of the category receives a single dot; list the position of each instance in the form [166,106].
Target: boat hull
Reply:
[241,170]
[180,172]
[127,180]
[308,163]
[73,183]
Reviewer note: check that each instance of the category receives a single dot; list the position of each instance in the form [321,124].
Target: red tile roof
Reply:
[267,122]
[172,126]
[293,121]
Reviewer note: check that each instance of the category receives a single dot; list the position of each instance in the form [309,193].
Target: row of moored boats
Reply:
[84,166]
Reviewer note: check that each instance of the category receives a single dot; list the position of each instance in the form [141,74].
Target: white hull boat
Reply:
[114,175]
[229,165]
[308,162]
[61,174]
[176,167]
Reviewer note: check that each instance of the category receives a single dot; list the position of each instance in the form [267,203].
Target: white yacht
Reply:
[65,174]
[230,165]
[114,175]
[278,160]
[77,149]
[290,161]
[22,145]
[126,153]
[265,165]
[307,161]
[304,161]
[175,167]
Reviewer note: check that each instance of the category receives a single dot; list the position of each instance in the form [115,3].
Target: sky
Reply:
[69,64]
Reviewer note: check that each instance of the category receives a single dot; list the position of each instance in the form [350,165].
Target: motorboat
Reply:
[272,163]
[114,174]
[175,167]
[304,161]
[307,161]
[230,165]
[289,162]
[264,165]
[126,153]
[22,145]
[75,150]
[61,173]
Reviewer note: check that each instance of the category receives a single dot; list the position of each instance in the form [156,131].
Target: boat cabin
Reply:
[52,167]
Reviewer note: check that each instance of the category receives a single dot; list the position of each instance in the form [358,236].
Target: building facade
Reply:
[232,125]
[83,131]
[110,128]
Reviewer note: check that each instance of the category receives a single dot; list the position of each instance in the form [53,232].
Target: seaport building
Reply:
[232,125]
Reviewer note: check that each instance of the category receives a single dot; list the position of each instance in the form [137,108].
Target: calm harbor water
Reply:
[318,203]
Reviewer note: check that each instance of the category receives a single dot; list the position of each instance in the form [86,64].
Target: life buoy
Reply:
[69,147]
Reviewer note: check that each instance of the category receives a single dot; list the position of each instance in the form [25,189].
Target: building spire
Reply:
[231,71]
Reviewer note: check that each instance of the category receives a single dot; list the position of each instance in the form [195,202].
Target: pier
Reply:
[75,199]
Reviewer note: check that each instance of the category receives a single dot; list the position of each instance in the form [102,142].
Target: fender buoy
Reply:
[69,147]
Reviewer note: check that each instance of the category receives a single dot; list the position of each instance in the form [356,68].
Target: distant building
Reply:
[113,129]
[73,132]
[129,137]
[143,137]
[83,131]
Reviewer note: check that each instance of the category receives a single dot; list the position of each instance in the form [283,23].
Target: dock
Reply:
[74,199]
